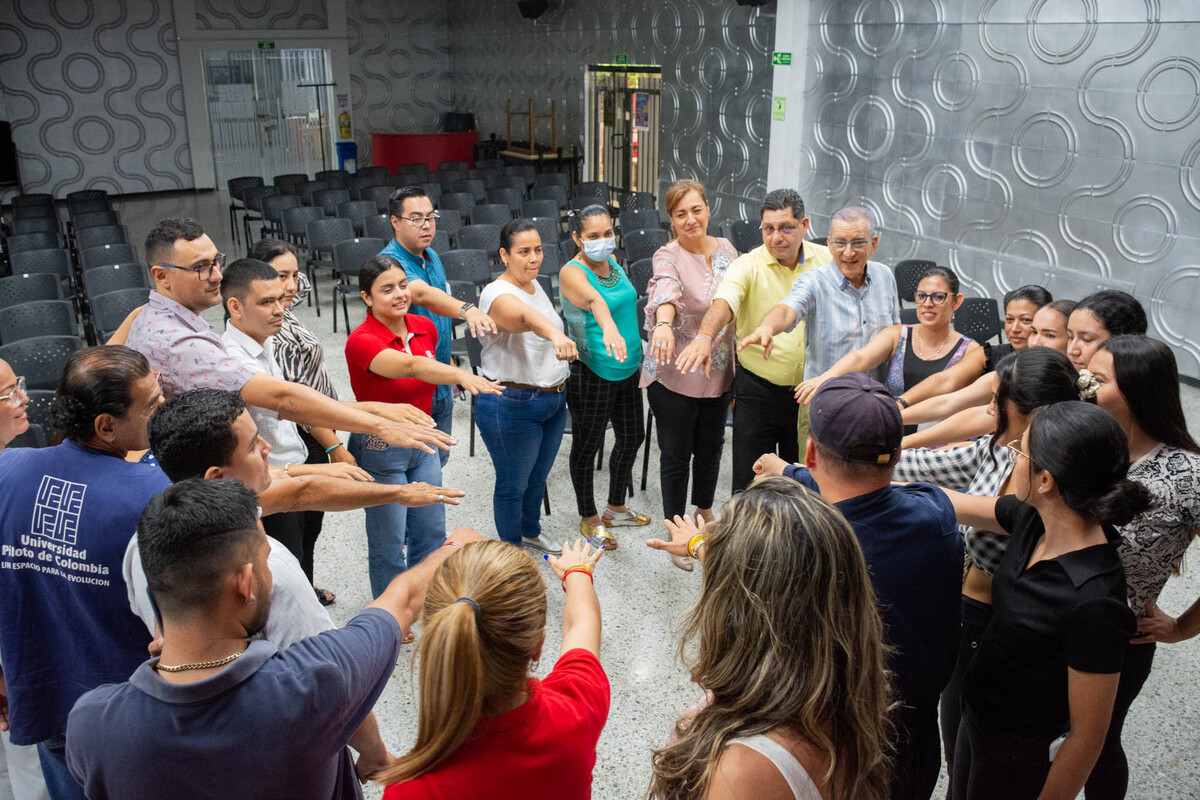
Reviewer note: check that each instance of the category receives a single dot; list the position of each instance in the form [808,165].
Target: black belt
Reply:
[531,388]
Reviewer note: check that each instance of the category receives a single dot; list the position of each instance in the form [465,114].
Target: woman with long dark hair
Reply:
[1029,380]
[1139,386]
[1038,694]
[1099,317]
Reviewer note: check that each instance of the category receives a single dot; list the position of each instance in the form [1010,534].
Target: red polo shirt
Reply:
[545,749]
[373,337]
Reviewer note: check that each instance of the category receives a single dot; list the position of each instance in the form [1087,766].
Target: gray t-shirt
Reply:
[273,724]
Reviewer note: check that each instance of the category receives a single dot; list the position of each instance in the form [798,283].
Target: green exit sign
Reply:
[622,58]
[266,44]
[781,59]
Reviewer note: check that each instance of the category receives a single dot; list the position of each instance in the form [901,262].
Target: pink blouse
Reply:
[683,279]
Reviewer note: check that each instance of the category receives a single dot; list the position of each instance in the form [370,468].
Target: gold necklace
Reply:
[216,662]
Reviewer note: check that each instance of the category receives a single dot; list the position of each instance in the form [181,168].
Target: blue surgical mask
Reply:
[599,249]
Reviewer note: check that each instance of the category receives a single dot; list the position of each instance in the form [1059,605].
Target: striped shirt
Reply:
[839,317]
[298,350]
[973,468]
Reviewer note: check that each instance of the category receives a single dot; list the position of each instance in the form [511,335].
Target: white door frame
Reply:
[191,42]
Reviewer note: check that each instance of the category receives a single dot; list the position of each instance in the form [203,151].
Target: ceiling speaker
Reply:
[532,9]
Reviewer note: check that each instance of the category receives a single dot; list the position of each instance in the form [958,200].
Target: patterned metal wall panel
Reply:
[1019,141]
[399,68]
[95,96]
[716,60]
[284,15]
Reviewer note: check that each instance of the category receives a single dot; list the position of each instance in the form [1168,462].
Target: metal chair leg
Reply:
[646,451]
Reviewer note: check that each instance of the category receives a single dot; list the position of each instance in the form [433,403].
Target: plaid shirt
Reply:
[972,468]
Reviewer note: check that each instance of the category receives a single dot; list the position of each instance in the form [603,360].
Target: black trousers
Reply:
[593,403]
[998,766]
[288,529]
[1110,777]
[313,520]
[918,757]
[975,617]
[691,435]
[764,421]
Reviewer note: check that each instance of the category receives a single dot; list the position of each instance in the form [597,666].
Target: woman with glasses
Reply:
[690,407]
[13,404]
[600,308]
[1139,385]
[1039,692]
[921,360]
[1029,380]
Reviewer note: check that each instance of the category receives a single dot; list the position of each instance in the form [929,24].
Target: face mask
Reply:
[599,249]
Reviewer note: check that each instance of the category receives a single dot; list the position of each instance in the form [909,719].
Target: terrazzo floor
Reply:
[644,597]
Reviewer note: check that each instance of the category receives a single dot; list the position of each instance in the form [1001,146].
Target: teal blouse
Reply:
[585,331]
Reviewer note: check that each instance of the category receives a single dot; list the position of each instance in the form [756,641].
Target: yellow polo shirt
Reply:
[753,284]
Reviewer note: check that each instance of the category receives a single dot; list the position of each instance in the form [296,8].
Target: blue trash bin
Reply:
[347,154]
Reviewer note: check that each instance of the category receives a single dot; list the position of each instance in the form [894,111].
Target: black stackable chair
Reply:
[40,360]
[37,318]
[348,259]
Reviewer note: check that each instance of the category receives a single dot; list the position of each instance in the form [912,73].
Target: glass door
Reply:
[267,116]
[623,138]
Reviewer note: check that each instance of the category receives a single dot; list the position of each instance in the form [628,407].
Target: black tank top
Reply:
[917,369]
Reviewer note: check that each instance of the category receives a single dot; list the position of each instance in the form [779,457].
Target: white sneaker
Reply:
[541,544]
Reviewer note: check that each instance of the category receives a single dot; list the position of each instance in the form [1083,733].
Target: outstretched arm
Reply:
[582,295]
[951,379]
[975,510]
[447,305]
[864,359]
[513,316]
[395,364]
[979,393]
[581,616]
[405,595]
[698,354]
[323,493]
[964,425]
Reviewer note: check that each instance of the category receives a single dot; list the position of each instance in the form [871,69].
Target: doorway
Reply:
[269,111]
[623,126]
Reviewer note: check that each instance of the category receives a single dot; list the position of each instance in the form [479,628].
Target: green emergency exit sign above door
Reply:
[266,44]
[621,58]
[781,59]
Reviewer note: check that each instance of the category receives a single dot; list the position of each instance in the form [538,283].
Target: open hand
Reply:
[574,554]
[806,390]
[351,472]
[614,343]
[697,355]
[662,344]
[477,384]
[406,434]
[761,337]
[479,323]
[424,494]
[403,412]
[681,530]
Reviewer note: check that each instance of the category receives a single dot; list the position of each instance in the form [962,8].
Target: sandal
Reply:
[325,597]
[624,519]
[598,535]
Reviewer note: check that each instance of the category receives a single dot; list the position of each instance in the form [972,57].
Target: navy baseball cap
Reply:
[856,418]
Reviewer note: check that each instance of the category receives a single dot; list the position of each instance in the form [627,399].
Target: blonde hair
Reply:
[472,662]
[679,190]
[785,634]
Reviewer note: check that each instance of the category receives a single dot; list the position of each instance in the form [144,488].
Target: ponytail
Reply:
[482,624]
[1125,500]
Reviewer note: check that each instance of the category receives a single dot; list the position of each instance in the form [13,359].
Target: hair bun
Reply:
[1123,501]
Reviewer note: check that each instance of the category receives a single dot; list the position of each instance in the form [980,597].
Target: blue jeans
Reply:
[522,430]
[59,782]
[398,536]
[443,415]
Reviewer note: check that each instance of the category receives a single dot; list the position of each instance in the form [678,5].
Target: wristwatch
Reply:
[464,308]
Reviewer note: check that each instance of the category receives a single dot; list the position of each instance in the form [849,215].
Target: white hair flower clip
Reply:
[1088,385]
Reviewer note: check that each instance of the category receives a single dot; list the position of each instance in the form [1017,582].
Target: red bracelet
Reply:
[580,568]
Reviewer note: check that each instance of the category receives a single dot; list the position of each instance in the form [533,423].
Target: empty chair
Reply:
[38,410]
[449,221]
[110,309]
[414,171]
[89,206]
[44,224]
[95,219]
[378,171]
[35,212]
[34,436]
[541,208]
[452,165]
[37,318]
[472,186]
[53,261]
[42,240]
[908,274]
[552,179]
[521,170]
[113,278]
[467,265]
[433,191]
[637,201]
[743,234]
[448,177]
[309,191]
[597,190]
[509,197]
[378,225]
[517,182]
[41,359]
[552,259]
[106,254]
[322,235]
[105,234]
[641,244]
[237,200]
[380,195]
[357,211]
[461,202]
[86,195]
[334,177]
[295,221]
[357,184]
[273,208]
[639,274]
[547,228]
[441,241]
[491,214]
[34,199]
[480,237]
[640,219]
[556,193]
[291,183]
[253,199]
[330,199]
[979,318]
[348,259]
[17,289]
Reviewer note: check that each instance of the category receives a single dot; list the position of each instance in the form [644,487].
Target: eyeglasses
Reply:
[17,396]
[937,298]
[854,244]
[421,222]
[1014,445]
[203,269]
[786,230]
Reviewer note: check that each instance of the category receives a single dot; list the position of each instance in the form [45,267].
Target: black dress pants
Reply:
[975,618]
[312,519]
[918,757]
[1110,777]
[998,766]
[288,530]
[764,421]
[691,435]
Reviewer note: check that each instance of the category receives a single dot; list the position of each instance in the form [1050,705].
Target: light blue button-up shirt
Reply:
[839,317]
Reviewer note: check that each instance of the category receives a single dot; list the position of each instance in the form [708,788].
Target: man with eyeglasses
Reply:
[187,271]
[766,417]
[414,224]
[842,304]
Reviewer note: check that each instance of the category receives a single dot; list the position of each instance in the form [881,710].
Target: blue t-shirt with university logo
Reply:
[66,516]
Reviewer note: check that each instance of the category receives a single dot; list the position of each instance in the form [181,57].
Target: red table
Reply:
[395,149]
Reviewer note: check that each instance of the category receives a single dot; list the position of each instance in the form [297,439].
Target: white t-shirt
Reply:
[296,613]
[522,357]
[282,434]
